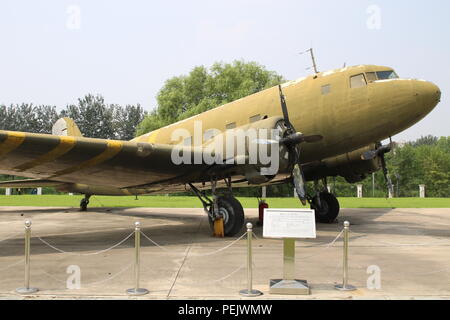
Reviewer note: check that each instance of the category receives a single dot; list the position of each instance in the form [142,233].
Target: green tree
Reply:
[204,89]
[93,117]
[126,119]
[27,117]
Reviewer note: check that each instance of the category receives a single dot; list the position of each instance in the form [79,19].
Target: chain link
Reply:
[194,254]
[85,254]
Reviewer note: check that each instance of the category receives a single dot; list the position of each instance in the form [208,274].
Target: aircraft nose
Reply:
[428,94]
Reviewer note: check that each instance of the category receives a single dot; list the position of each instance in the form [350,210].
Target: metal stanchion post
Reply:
[249,292]
[136,291]
[345,286]
[27,289]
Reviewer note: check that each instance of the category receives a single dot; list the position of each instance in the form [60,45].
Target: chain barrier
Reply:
[85,254]
[196,254]
[250,264]
[324,245]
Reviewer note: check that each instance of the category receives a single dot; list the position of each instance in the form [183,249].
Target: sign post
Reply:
[289,225]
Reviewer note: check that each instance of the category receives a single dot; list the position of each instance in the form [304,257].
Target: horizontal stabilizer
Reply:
[29,183]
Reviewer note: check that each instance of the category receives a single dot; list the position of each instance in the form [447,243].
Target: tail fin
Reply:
[66,127]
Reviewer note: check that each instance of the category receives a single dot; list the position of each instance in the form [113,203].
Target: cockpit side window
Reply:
[358,81]
[386,75]
[371,76]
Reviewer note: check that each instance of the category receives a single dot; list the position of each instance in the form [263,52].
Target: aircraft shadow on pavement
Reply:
[194,229]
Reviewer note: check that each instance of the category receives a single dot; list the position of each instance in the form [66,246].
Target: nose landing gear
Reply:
[84,202]
[325,204]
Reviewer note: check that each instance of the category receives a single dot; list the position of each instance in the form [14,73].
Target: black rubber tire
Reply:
[84,204]
[329,208]
[235,220]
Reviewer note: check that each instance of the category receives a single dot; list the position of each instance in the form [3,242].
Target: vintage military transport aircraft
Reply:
[329,123]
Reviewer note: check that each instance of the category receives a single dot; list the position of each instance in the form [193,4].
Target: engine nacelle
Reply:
[348,165]
[254,148]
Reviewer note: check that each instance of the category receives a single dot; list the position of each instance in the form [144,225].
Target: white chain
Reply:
[154,242]
[326,246]
[86,254]
[219,250]
[199,254]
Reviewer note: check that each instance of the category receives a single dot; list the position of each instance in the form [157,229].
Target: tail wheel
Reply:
[327,209]
[233,215]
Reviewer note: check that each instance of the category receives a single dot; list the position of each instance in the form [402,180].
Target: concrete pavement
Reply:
[410,248]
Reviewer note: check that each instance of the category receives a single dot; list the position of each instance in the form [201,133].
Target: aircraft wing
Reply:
[50,158]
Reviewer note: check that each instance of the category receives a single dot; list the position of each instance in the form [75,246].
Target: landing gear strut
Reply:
[325,204]
[84,202]
[226,207]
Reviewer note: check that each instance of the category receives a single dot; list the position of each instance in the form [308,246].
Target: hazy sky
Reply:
[52,52]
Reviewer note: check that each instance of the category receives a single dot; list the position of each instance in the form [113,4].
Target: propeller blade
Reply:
[298,137]
[285,110]
[299,183]
[292,139]
[387,178]
[371,154]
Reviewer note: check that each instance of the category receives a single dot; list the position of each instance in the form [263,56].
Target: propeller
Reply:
[380,152]
[292,141]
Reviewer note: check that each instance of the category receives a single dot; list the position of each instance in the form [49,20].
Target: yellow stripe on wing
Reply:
[112,149]
[14,140]
[65,145]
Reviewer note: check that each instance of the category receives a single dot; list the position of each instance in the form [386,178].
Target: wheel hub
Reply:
[224,214]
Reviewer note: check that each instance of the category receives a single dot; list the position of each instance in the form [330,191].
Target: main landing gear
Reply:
[224,207]
[84,202]
[325,204]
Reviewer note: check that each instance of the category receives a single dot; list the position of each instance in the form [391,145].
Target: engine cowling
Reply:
[348,165]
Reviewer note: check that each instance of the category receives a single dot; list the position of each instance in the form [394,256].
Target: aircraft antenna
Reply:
[314,66]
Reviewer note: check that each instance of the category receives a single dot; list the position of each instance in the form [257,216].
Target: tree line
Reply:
[94,117]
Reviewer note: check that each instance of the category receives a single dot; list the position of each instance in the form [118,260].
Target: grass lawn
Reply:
[193,202]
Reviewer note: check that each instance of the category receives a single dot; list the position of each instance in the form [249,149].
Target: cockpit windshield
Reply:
[385,75]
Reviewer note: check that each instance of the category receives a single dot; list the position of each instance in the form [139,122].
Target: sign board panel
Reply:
[289,223]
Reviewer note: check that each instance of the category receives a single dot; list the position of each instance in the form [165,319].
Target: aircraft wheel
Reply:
[84,204]
[232,213]
[328,210]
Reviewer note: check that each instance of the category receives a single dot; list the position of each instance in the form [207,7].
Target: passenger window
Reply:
[231,125]
[326,89]
[255,118]
[371,76]
[358,81]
